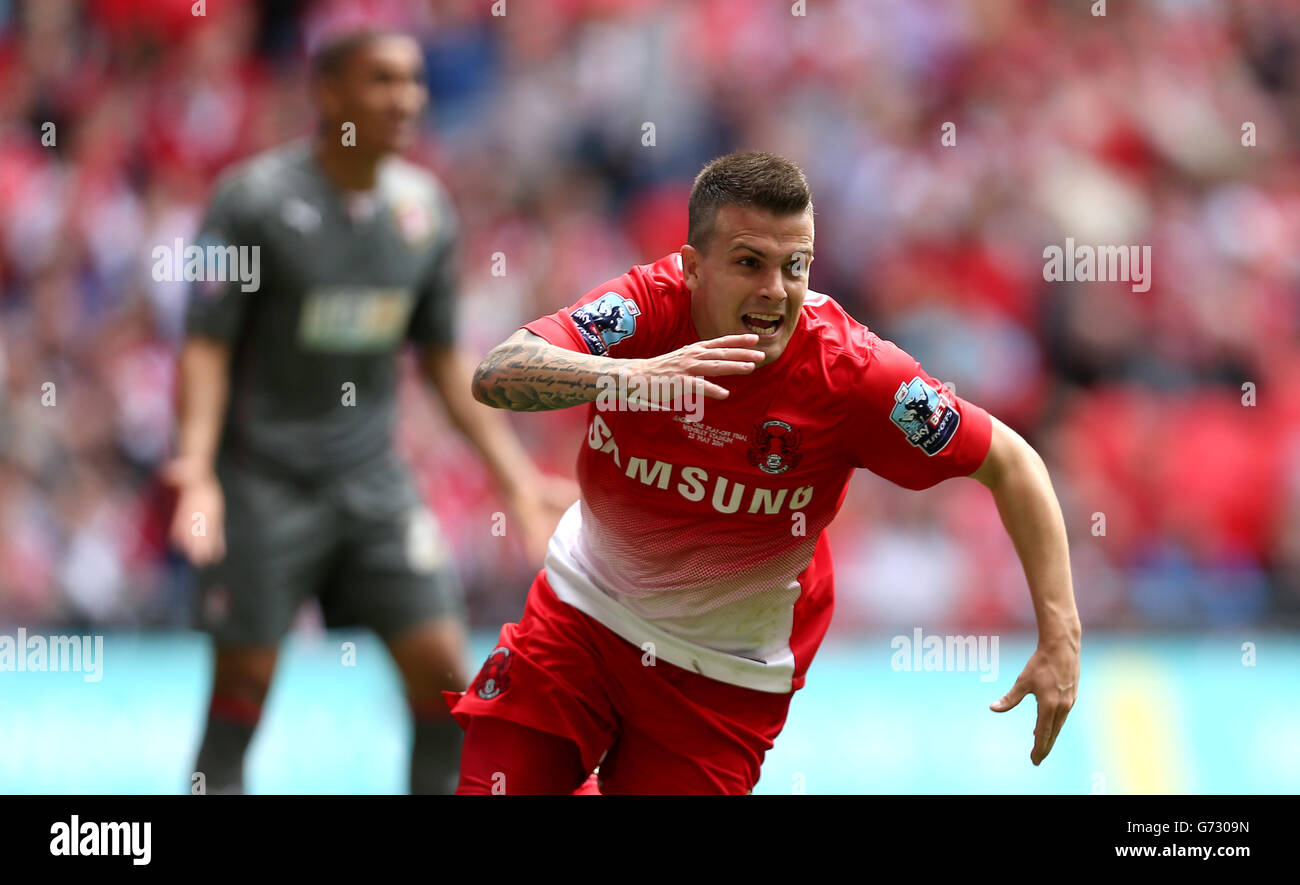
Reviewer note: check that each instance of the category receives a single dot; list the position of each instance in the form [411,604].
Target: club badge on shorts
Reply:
[493,678]
[424,546]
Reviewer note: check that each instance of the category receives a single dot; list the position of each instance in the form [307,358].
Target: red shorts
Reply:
[651,729]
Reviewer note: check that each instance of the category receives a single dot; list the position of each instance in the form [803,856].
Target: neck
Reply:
[347,168]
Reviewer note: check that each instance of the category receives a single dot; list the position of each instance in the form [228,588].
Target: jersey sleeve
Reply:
[216,308]
[908,427]
[433,318]
[621,318]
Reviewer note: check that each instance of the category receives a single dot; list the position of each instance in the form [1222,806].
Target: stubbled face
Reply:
[752,276]
[381,90]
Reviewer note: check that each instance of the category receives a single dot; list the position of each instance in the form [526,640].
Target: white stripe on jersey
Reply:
[573,585]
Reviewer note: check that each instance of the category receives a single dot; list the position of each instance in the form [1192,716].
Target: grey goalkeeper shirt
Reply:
[343,281]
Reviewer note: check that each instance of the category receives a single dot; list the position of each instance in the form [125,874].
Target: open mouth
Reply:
[764,325]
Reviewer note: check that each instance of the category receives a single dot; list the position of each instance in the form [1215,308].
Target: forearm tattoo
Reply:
[530,375]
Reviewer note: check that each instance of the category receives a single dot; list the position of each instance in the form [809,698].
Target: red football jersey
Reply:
[702,541]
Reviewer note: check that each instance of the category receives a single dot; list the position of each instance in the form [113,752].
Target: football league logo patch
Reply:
[776,447]
[925,415]
[492,680]
[606,321]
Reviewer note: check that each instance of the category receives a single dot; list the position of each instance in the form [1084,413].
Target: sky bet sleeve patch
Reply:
[606,321]
[925,415]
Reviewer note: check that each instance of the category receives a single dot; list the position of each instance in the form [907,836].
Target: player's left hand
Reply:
[1052,677]
[537,509]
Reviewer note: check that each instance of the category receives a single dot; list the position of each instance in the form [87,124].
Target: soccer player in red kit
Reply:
[684,595]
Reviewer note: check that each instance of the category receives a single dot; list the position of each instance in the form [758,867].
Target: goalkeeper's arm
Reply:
[203,388]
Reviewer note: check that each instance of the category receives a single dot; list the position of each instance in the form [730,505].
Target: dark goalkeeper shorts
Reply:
[362,542]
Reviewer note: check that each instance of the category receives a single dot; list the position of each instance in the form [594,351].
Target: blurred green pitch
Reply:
[1166,715]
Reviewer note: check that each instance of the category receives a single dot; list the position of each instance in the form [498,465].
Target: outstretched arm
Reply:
[1018,479]
[525,373]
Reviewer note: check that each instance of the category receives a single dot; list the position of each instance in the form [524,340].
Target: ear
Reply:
[691,267]
[327,100]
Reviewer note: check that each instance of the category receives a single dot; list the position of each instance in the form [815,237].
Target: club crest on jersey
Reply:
[925,415]
[606,321]
[776,447]
[492,679]
[415,222]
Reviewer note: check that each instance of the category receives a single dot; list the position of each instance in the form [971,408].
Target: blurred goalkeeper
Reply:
[686,593]
[289,484]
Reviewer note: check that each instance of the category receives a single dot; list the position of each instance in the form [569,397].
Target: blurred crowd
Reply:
[1170,418]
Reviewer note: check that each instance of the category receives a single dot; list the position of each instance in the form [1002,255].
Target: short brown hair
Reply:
[750,179]
[332,56]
